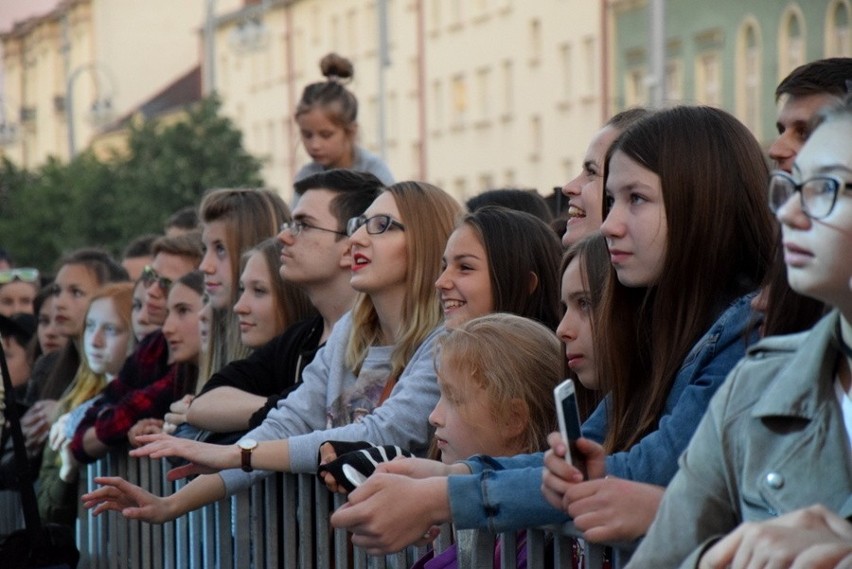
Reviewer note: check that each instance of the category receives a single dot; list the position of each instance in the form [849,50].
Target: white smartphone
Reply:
[569,422]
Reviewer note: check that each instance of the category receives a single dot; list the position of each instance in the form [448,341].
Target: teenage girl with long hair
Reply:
[689,238]
[374,379]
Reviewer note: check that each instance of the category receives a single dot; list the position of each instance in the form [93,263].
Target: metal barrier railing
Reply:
[281,522]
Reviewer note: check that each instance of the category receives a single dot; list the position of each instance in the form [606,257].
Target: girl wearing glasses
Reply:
[374,379]
[776,438]
[689,239]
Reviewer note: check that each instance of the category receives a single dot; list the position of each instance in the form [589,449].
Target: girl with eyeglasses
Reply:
[689,240]
[374,379]
[775,442]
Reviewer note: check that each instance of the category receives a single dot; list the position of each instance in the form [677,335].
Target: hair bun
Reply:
[335,67]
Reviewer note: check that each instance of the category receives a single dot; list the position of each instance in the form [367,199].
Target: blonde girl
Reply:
[107,341]
[374,379]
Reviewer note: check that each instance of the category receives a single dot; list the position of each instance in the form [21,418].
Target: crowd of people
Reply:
[703,303]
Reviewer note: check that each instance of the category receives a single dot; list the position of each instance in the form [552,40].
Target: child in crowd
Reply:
[776,438]
[496,375]
[374,380]
[107,341]
[18,288]
[327,115]
[496,260]
[686,302]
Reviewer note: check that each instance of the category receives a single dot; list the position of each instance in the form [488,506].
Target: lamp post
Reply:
[101,108]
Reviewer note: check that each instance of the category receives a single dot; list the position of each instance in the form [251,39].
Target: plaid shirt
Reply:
[145,387]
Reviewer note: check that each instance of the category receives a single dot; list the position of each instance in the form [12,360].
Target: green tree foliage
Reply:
[60,207]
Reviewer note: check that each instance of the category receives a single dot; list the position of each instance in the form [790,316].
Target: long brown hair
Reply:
[429,216]
[720,244]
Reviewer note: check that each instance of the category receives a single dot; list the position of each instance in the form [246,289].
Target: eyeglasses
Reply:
[375,225]
[26,274]
[149,276]
[818,194]
[296,227]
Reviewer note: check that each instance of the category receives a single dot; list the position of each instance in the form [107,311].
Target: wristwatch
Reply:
[247,446]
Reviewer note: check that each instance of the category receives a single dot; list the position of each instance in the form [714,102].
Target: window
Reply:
[635,88]
[567,74]
[791,41]
[459,100]
[590,55]
[535,41]
[674,81]
[748,76]
[508,87]
[438,104]
[483,91]
[708,80]
[838,42]
[536,138]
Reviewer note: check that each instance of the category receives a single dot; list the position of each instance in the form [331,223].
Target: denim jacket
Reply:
[773,441]
[504,494]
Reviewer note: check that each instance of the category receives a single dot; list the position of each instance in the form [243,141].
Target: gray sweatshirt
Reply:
[333,404]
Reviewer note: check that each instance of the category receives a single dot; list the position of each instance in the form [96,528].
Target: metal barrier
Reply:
[282,522]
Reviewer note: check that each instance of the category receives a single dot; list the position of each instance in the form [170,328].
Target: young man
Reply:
[144,386]
[806,90]
[315,256]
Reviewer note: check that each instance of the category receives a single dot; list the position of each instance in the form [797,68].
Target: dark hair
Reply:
[518,245]
[187,245]
[627,117]
[105,270]
[355,191]
[193,280]
[824,76]
[513,198]
[186,218]
[34,349]
[332,96]
[593,255]
[103,267]
[720,242]
[141,246]
[5,256]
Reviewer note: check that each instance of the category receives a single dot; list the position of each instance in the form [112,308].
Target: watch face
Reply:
[247,444]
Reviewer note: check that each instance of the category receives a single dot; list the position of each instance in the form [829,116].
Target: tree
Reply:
[60,207]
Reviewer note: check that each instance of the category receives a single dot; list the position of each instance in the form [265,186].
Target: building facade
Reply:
[727,53]
[71,71]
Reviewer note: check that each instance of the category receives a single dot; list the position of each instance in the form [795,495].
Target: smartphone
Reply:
[569,422]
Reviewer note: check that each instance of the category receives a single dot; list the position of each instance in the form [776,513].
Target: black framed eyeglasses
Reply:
[149,276]
[25,274]
[375,225]
[295,227]
[817,195]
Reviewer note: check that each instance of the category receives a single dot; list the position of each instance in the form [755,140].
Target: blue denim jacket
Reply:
[505,493]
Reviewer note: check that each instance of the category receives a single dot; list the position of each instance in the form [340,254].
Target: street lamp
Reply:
[101,108]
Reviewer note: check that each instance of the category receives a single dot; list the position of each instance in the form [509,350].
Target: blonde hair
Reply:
[513,359]
[429,216]
[86,383]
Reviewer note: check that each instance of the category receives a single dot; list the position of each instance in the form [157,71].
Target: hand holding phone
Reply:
[569,423]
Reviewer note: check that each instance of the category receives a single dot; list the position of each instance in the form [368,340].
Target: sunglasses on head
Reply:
[26,274]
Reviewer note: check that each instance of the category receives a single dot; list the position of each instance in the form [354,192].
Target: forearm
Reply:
[92,445]
[224,409]
[204,490]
